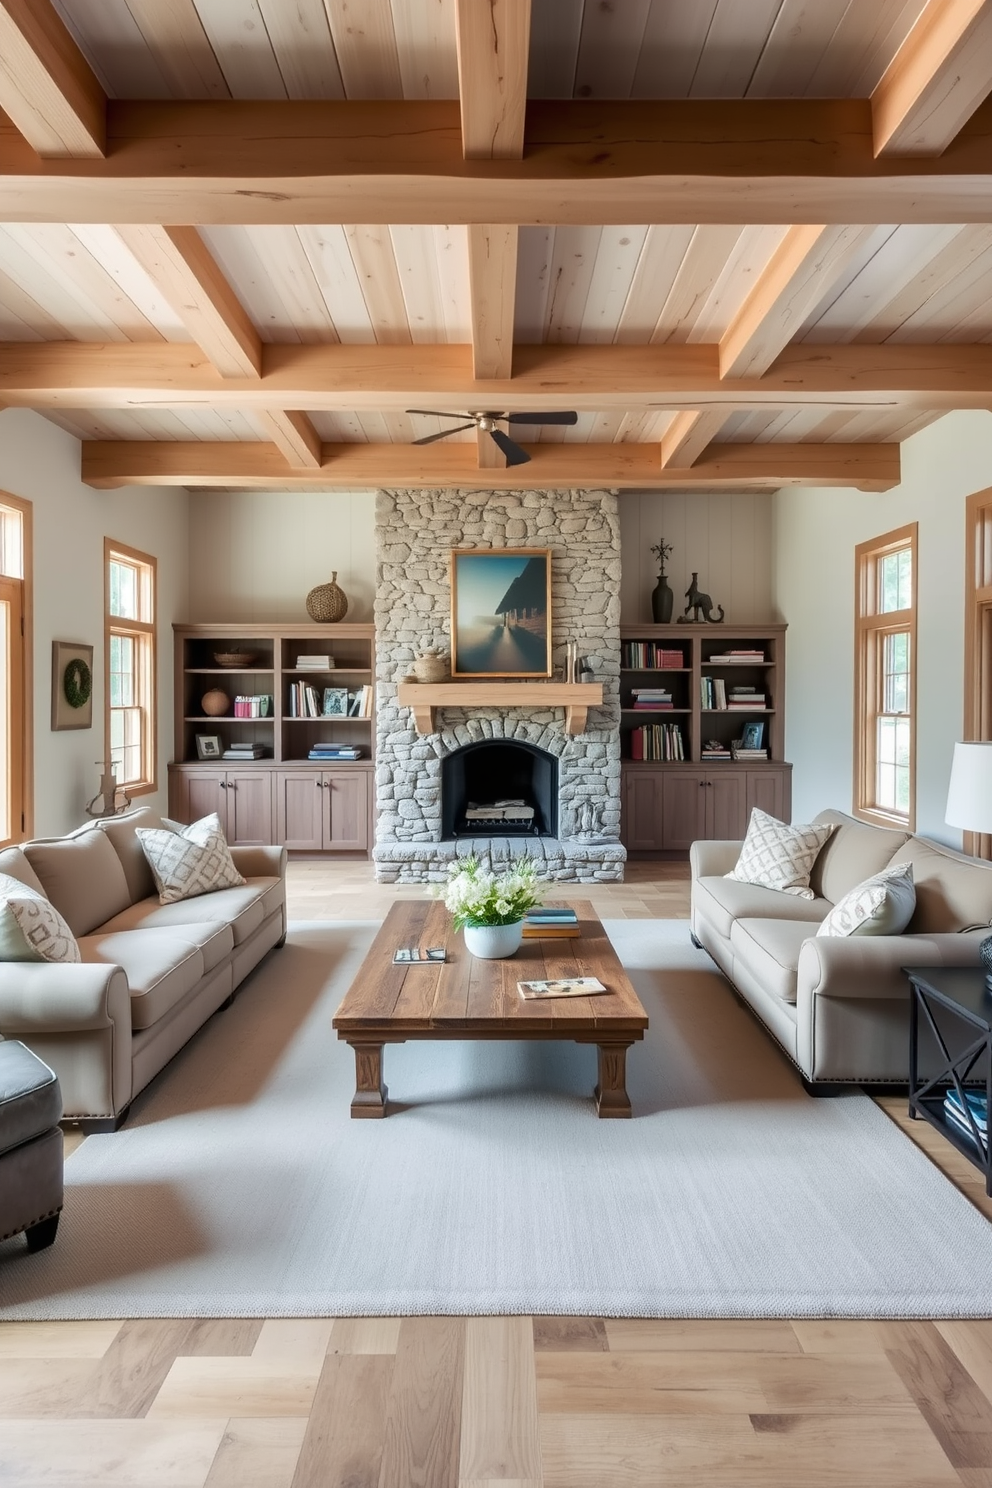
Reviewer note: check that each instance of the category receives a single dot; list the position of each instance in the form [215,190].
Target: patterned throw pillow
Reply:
[882,905]
[777,856]
[189,861]
[31,929]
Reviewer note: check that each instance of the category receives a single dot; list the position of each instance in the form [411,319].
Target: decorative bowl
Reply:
[234,658]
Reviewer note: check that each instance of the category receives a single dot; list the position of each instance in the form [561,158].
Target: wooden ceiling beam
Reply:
[492,275]
[493,42]
[587,378]
[798,275]
[181,266]
[869,467]
[293,435]
[47,87]
[936,81]
[688,435]
[689,161]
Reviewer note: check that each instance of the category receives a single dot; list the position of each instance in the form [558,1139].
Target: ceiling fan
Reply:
[487,423]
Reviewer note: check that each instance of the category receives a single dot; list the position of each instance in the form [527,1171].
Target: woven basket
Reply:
[234,658]
[327,603]
[430,669]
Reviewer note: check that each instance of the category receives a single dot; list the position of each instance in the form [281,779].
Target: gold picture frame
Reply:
[501,612]
[72,686]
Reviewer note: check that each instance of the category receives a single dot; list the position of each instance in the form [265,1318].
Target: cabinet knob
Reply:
[223,785]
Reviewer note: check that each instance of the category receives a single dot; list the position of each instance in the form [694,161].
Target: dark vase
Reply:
[662,600]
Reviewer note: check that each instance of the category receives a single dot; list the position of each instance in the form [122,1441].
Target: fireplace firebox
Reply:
[499,788]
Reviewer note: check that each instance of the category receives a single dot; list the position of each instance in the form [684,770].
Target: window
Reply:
[130,658]
[15,712]
[978,638]
[885,672]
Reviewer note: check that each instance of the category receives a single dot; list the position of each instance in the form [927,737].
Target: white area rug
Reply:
[240,1187]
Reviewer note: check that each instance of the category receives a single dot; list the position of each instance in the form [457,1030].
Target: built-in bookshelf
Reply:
[693,698]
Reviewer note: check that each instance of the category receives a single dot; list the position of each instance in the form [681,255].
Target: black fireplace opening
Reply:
[499,788]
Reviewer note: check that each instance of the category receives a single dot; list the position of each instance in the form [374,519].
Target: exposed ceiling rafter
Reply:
[47,87]
[936,81]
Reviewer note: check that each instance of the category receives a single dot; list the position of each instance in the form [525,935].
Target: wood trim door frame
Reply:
[978,637]
[26,731]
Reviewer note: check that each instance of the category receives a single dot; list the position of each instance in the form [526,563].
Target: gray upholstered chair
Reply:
[30,1147]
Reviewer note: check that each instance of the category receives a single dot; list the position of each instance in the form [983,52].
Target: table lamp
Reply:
[969,806]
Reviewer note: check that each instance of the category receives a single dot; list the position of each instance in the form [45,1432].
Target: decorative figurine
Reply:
[700,604]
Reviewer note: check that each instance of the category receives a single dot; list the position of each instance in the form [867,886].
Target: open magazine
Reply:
[562,987]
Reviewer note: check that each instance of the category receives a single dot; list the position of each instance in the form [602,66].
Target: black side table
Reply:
[961,992]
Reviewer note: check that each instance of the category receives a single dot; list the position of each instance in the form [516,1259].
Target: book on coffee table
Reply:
[562,987]
[412,955]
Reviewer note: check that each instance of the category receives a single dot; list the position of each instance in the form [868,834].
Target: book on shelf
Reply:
[739,753]
[649,656]
[246,752]
[314,663]
[341,752]
[253,707]
[657,741]
[561,987]
[735,658]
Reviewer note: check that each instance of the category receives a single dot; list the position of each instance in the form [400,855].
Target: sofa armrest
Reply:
[713,859]
[871,966]
[56,997]
[260,862]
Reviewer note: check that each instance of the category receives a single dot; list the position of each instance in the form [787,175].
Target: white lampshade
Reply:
[969,794]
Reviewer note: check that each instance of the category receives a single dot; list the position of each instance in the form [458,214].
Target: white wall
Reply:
[726,537]
[254,555]
[40,463]
[815,535]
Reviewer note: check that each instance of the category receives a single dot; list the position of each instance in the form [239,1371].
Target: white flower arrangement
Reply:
[476,896]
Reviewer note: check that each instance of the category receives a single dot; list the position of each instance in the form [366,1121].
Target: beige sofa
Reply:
[839,1007]
[150,974]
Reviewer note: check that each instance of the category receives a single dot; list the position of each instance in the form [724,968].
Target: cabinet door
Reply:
[769,791]
[346,808]
[643,812]
[249,807]
[300,809]
[726,812]
[203,792]
[683,808]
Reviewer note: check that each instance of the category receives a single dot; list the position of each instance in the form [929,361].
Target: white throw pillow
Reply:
[777,856]
[189,861]
[31,928]
[882,905]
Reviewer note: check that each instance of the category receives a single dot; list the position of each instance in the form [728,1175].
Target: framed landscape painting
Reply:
[501,612]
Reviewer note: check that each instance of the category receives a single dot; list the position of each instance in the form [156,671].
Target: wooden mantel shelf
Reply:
[575,697]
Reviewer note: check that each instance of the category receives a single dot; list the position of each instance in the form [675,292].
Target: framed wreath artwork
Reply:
[72,685]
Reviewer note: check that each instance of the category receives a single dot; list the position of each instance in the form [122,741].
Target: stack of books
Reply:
[335,752]
[652,698]
[739,656]
[954,1113]
[746,697]
[314,663]
[551,922]
[713,749]
[246,752]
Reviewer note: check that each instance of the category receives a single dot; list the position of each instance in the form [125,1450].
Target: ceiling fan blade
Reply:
[434,413]
[514,454]
[542,418]
[430,438]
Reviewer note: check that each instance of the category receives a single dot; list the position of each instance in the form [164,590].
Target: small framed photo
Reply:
[335,702]
[753,736]
[208,746]
[72,685]
[501,612]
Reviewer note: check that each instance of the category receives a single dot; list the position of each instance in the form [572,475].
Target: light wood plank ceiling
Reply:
[208,316]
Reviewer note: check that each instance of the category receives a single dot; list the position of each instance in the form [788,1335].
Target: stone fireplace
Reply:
[495,757]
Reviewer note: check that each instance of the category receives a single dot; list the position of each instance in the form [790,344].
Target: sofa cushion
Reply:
[724,900]
[31,928]
[770,951]
[882,905]
[15,865]
[952,892]
[161,968]
[122,832]
[853,852]
[82,876]
[243,909]
[778,856]
[189,861]
[215,938]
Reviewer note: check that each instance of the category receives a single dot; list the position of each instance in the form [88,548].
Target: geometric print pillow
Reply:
[189,861]
[31,929]
[777,856]
[882,905]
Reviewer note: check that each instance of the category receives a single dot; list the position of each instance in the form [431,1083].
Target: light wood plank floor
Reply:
[500,1402]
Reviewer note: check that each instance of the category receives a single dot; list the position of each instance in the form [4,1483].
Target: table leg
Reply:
[611,1095]
[370,1092]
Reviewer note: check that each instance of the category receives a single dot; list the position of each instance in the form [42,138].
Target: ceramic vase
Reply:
[494,942]
[214,703]
[662,600]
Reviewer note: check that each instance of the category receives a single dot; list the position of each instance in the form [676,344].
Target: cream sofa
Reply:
[839,1007]
[150,974]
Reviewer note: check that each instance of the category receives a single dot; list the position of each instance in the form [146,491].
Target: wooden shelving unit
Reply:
[287,798]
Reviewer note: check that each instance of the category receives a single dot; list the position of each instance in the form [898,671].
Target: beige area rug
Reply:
[240,1187]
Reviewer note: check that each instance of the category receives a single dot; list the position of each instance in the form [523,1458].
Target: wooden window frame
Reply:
[147,633]
[870,628]
[22,740]
[978,637]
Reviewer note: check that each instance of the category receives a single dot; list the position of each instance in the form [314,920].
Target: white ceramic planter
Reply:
[493,942]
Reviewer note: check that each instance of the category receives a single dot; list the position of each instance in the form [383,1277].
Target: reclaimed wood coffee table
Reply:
[466,998]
